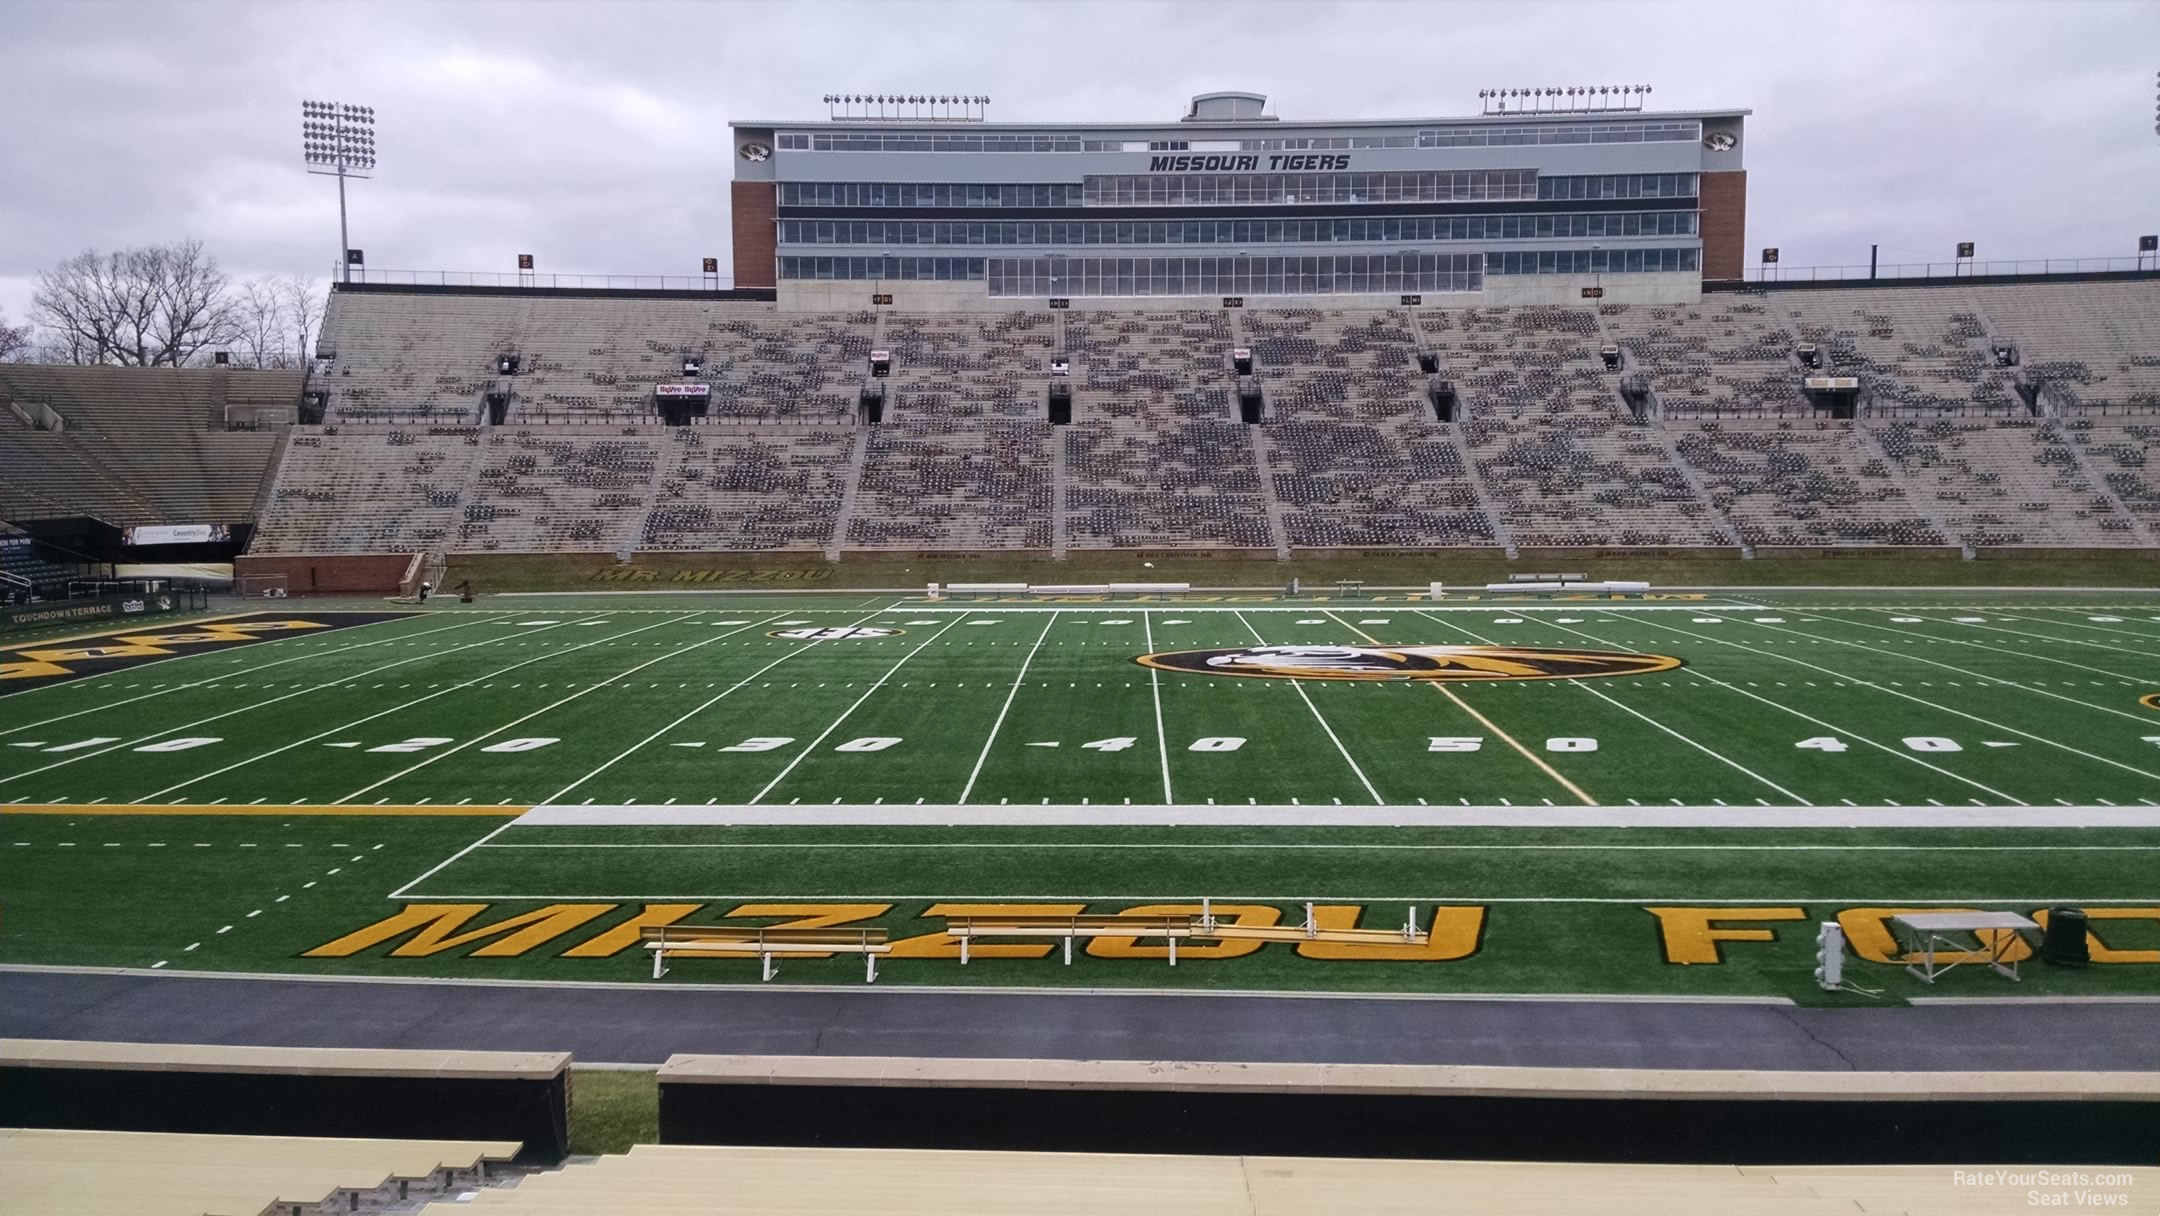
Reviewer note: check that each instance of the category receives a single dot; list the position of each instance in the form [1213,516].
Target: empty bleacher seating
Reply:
[1919,351]
[1724,355]
[138,446]
[2005,481]
[1546,452]
[2099,341]
[1805,483]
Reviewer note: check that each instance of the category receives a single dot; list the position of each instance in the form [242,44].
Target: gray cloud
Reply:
[594,135]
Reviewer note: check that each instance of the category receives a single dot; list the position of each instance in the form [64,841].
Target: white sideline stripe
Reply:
[850,710]
[999,725]
[881,992]
[1629,709]
[1309,846]
[339,682]
[1298,686]
[399,708]
[559,703]
[861,815]
[1162,747]
[236,674]
[708,703]
[1866,683]
[1880,899]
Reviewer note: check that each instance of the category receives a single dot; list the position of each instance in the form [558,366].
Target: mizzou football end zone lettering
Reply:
[50,662]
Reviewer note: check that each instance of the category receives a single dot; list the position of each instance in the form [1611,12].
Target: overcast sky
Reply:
[593,133]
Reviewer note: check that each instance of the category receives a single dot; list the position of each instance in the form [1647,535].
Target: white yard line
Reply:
[844,714]
[170,730]
[229,675]
[1832,727]
[2145,652]
[399,708]
[2023,654]
[445,862]
[708,703]
[448,752]
[2095,627]
[999,725]
[2145,718]
[1298,686]
[1162,747]
[1870,684]
[1720,757]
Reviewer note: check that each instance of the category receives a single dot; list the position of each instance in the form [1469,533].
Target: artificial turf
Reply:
[328,741]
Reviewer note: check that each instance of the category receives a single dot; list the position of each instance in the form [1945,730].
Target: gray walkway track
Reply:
[633,1025]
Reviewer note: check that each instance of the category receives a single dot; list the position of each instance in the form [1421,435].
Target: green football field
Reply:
[1657,795]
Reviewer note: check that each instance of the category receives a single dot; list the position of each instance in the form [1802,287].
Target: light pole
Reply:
[338,140]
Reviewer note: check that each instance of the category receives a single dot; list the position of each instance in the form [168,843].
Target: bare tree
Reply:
[159,306]
[305,299]
[14,341]
[260,335]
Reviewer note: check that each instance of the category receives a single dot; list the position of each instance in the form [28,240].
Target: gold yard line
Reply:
[124,808]
[1441,687]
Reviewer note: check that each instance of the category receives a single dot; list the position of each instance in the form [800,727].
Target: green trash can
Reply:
[2064,943]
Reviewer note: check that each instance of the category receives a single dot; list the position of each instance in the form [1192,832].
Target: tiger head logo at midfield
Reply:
[2150,700]
[1453,663]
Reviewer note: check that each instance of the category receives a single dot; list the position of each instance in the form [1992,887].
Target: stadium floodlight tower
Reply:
[338,140]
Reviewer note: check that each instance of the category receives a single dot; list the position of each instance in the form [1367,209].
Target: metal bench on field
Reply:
[1172,929]
[733,941]
[966,929]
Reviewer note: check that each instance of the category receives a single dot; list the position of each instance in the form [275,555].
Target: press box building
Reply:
[1229,201]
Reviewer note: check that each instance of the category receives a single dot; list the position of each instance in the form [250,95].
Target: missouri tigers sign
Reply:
[1464,663]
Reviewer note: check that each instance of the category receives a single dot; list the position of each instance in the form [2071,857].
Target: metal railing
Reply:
[526,278]
[1950,270]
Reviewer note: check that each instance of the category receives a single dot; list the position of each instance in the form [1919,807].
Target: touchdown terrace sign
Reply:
[1318,163]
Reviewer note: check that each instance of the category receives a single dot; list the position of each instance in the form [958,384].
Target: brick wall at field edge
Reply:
[340,573]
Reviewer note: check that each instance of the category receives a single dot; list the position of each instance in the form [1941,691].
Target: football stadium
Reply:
[1424,586]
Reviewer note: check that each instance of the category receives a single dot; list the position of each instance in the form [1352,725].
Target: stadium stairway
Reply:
[99,1173]
[1058,532]
[857,455]
[1267,493]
